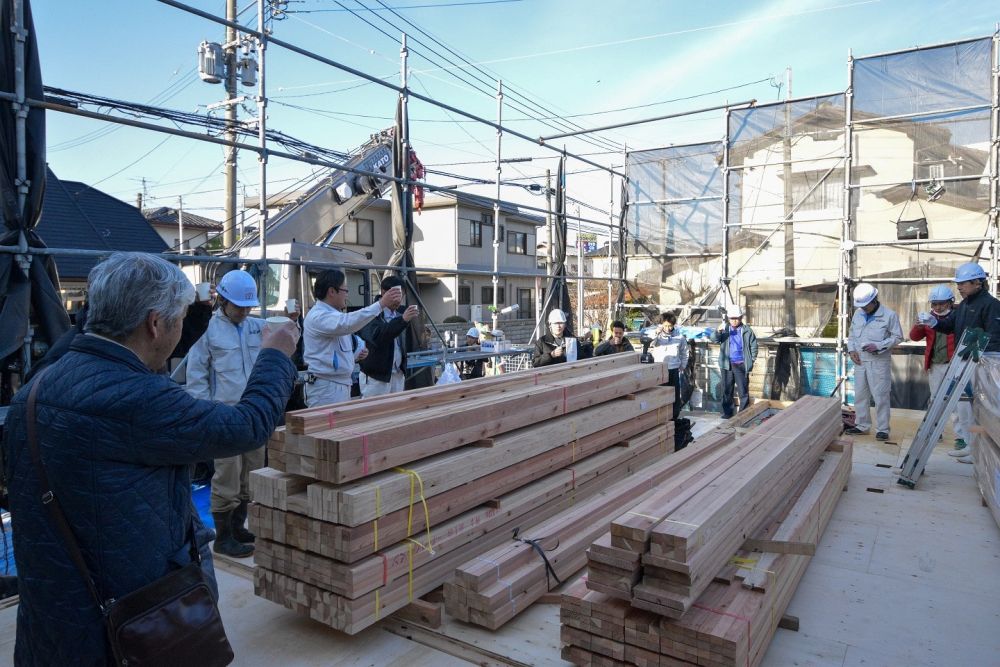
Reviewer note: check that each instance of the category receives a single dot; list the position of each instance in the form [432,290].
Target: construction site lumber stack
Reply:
[986,439]
[702,570]
[370,504]
[493,587]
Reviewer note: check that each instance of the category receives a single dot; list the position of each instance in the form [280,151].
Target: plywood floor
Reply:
[901,577]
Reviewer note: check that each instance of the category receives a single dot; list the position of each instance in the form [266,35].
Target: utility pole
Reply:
[180,224]
[548,216]
[232,38]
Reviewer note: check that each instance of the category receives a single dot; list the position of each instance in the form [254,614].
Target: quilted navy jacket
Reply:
[117,441]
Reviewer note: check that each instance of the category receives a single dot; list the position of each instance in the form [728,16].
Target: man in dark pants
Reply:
[979,309]
[737,354]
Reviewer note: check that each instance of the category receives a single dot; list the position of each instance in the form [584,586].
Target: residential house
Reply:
[455,233]
[170,223]
[77,216]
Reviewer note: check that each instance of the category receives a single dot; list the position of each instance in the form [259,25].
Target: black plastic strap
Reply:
[549,570]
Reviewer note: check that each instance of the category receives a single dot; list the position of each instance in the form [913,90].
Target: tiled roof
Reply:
[75,215]
[166,216]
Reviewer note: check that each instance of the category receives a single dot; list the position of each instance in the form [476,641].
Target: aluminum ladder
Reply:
[944,402]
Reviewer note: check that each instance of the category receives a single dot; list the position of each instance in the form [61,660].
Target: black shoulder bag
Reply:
[171,621]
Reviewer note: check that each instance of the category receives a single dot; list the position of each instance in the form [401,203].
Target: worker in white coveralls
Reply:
[218,368]
[329,346]
[875,331]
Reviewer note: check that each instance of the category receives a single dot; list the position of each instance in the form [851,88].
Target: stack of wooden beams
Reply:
[986,437]
[373,503]
[492,588]
[702,569]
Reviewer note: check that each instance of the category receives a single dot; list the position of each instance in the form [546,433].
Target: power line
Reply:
[434,6]
[488,83]
[512,88]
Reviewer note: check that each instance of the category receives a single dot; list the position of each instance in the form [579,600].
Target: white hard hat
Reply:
[238,288]
[941,293]
[734,311]
[557,316]
[864,294]
[472,333]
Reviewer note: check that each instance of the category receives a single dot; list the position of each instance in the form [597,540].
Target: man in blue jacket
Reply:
[117,441]
[737,354]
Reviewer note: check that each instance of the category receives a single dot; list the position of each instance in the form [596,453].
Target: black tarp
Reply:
[24,289]
[557,294]
[402,242]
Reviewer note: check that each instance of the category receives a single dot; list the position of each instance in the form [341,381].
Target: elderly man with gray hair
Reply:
[115,441]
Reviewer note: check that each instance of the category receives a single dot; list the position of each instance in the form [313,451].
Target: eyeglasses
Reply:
[343,290]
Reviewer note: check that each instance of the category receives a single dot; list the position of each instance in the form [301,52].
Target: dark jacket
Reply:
[749,347]
[608,347]
[981,311]
[380,337]
[117,441]
[547,343]
[921,331]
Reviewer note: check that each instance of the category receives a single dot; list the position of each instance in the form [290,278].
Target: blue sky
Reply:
[565,56]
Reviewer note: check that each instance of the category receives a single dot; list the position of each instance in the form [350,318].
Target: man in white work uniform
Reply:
[328,341]
[218,369]
[875,331]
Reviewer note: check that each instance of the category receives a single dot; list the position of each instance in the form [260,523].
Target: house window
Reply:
[464,295]
[517,243]
[475,233]
[359,232]
[936,172]
[809,196]
[487,295]
[525,304]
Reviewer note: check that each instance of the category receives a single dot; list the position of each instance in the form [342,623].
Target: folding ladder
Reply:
[944,402]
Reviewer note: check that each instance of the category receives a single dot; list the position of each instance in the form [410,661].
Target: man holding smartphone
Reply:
[383,371]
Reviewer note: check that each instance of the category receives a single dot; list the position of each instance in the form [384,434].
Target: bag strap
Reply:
[55,509]
[49,499]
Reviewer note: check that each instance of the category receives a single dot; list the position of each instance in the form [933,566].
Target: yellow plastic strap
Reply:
[644,516]
[378,605]
[378,513]
[414,480]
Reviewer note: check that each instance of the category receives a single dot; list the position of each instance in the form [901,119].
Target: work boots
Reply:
[225,543]
[240,533]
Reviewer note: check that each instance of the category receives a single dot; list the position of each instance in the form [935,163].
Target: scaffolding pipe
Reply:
[924,48]
[920,114]
[725,280]
[917,181]
[680,114]
[611,220]
[844,273]
[496,207]
[250,147]
[262,145]
[367,77]
[994,215]
[898,242]
[221,259]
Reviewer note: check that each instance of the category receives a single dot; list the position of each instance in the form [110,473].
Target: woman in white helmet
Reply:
[875,330]
[218,368]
